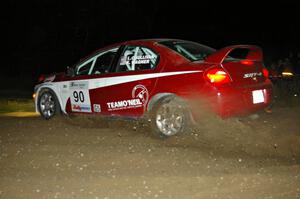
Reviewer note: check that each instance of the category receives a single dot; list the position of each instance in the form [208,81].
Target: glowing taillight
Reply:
[217,76]
[265,73]
[247,62]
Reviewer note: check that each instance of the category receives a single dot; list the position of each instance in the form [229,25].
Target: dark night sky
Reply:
[46,35]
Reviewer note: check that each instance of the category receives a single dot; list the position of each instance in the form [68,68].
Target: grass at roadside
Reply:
[16,105]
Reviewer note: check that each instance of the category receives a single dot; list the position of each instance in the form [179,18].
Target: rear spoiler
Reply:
[255,53]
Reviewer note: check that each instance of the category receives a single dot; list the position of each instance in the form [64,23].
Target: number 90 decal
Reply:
[78,96]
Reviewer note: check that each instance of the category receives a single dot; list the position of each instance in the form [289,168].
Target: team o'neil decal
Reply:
[140,96]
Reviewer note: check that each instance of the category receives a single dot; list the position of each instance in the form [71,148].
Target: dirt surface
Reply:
[79,157]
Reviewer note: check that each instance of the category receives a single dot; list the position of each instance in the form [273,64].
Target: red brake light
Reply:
[247,62]
[217,76]
[265,73]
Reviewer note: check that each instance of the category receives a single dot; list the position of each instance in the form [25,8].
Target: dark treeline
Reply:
[46,36]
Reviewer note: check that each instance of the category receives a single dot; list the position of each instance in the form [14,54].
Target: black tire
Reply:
[168,117]
[48,104]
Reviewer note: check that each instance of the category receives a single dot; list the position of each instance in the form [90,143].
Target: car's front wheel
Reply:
[169,117]
[48,104]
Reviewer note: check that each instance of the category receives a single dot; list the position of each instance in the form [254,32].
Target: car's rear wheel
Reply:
[48,104]
[169,117]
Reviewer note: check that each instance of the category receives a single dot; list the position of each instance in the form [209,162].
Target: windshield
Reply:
[190,50]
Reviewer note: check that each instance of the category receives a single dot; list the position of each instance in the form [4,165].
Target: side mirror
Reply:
[70,71]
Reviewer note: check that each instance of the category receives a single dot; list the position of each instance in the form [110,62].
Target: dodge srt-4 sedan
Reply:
[169,81]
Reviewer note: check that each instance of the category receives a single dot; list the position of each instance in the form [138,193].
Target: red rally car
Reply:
[167,80]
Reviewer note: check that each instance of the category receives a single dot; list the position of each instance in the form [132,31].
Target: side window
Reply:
[103,62]
[84,68]
[136,58]
[97,64]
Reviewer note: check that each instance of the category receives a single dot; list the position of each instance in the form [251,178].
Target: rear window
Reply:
[237,54]
[190,50]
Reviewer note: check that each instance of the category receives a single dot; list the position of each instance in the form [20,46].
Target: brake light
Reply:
[217,76]
[265,73]
[247,62]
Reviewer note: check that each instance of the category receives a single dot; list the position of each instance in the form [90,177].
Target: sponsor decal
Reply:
[140,59]
[81,108]
[139,96]
[140,92]
[97,108]
[125,104]
[64,89]
[79,85]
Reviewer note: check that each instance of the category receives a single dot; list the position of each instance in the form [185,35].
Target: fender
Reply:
[160,96]
[54,88]
[255,53]
[156,98]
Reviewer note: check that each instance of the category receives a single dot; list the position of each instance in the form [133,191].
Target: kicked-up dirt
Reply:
[80,157]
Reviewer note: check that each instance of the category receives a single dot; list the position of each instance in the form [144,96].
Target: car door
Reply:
[86,87]
[129,89]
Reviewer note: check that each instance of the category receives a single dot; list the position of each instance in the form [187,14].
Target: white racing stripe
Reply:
[110,81]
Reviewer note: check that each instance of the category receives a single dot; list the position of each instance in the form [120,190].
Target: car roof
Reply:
[152,41]
[135,42]
[132,42]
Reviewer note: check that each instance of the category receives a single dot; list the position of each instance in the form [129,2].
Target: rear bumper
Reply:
[238,101]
